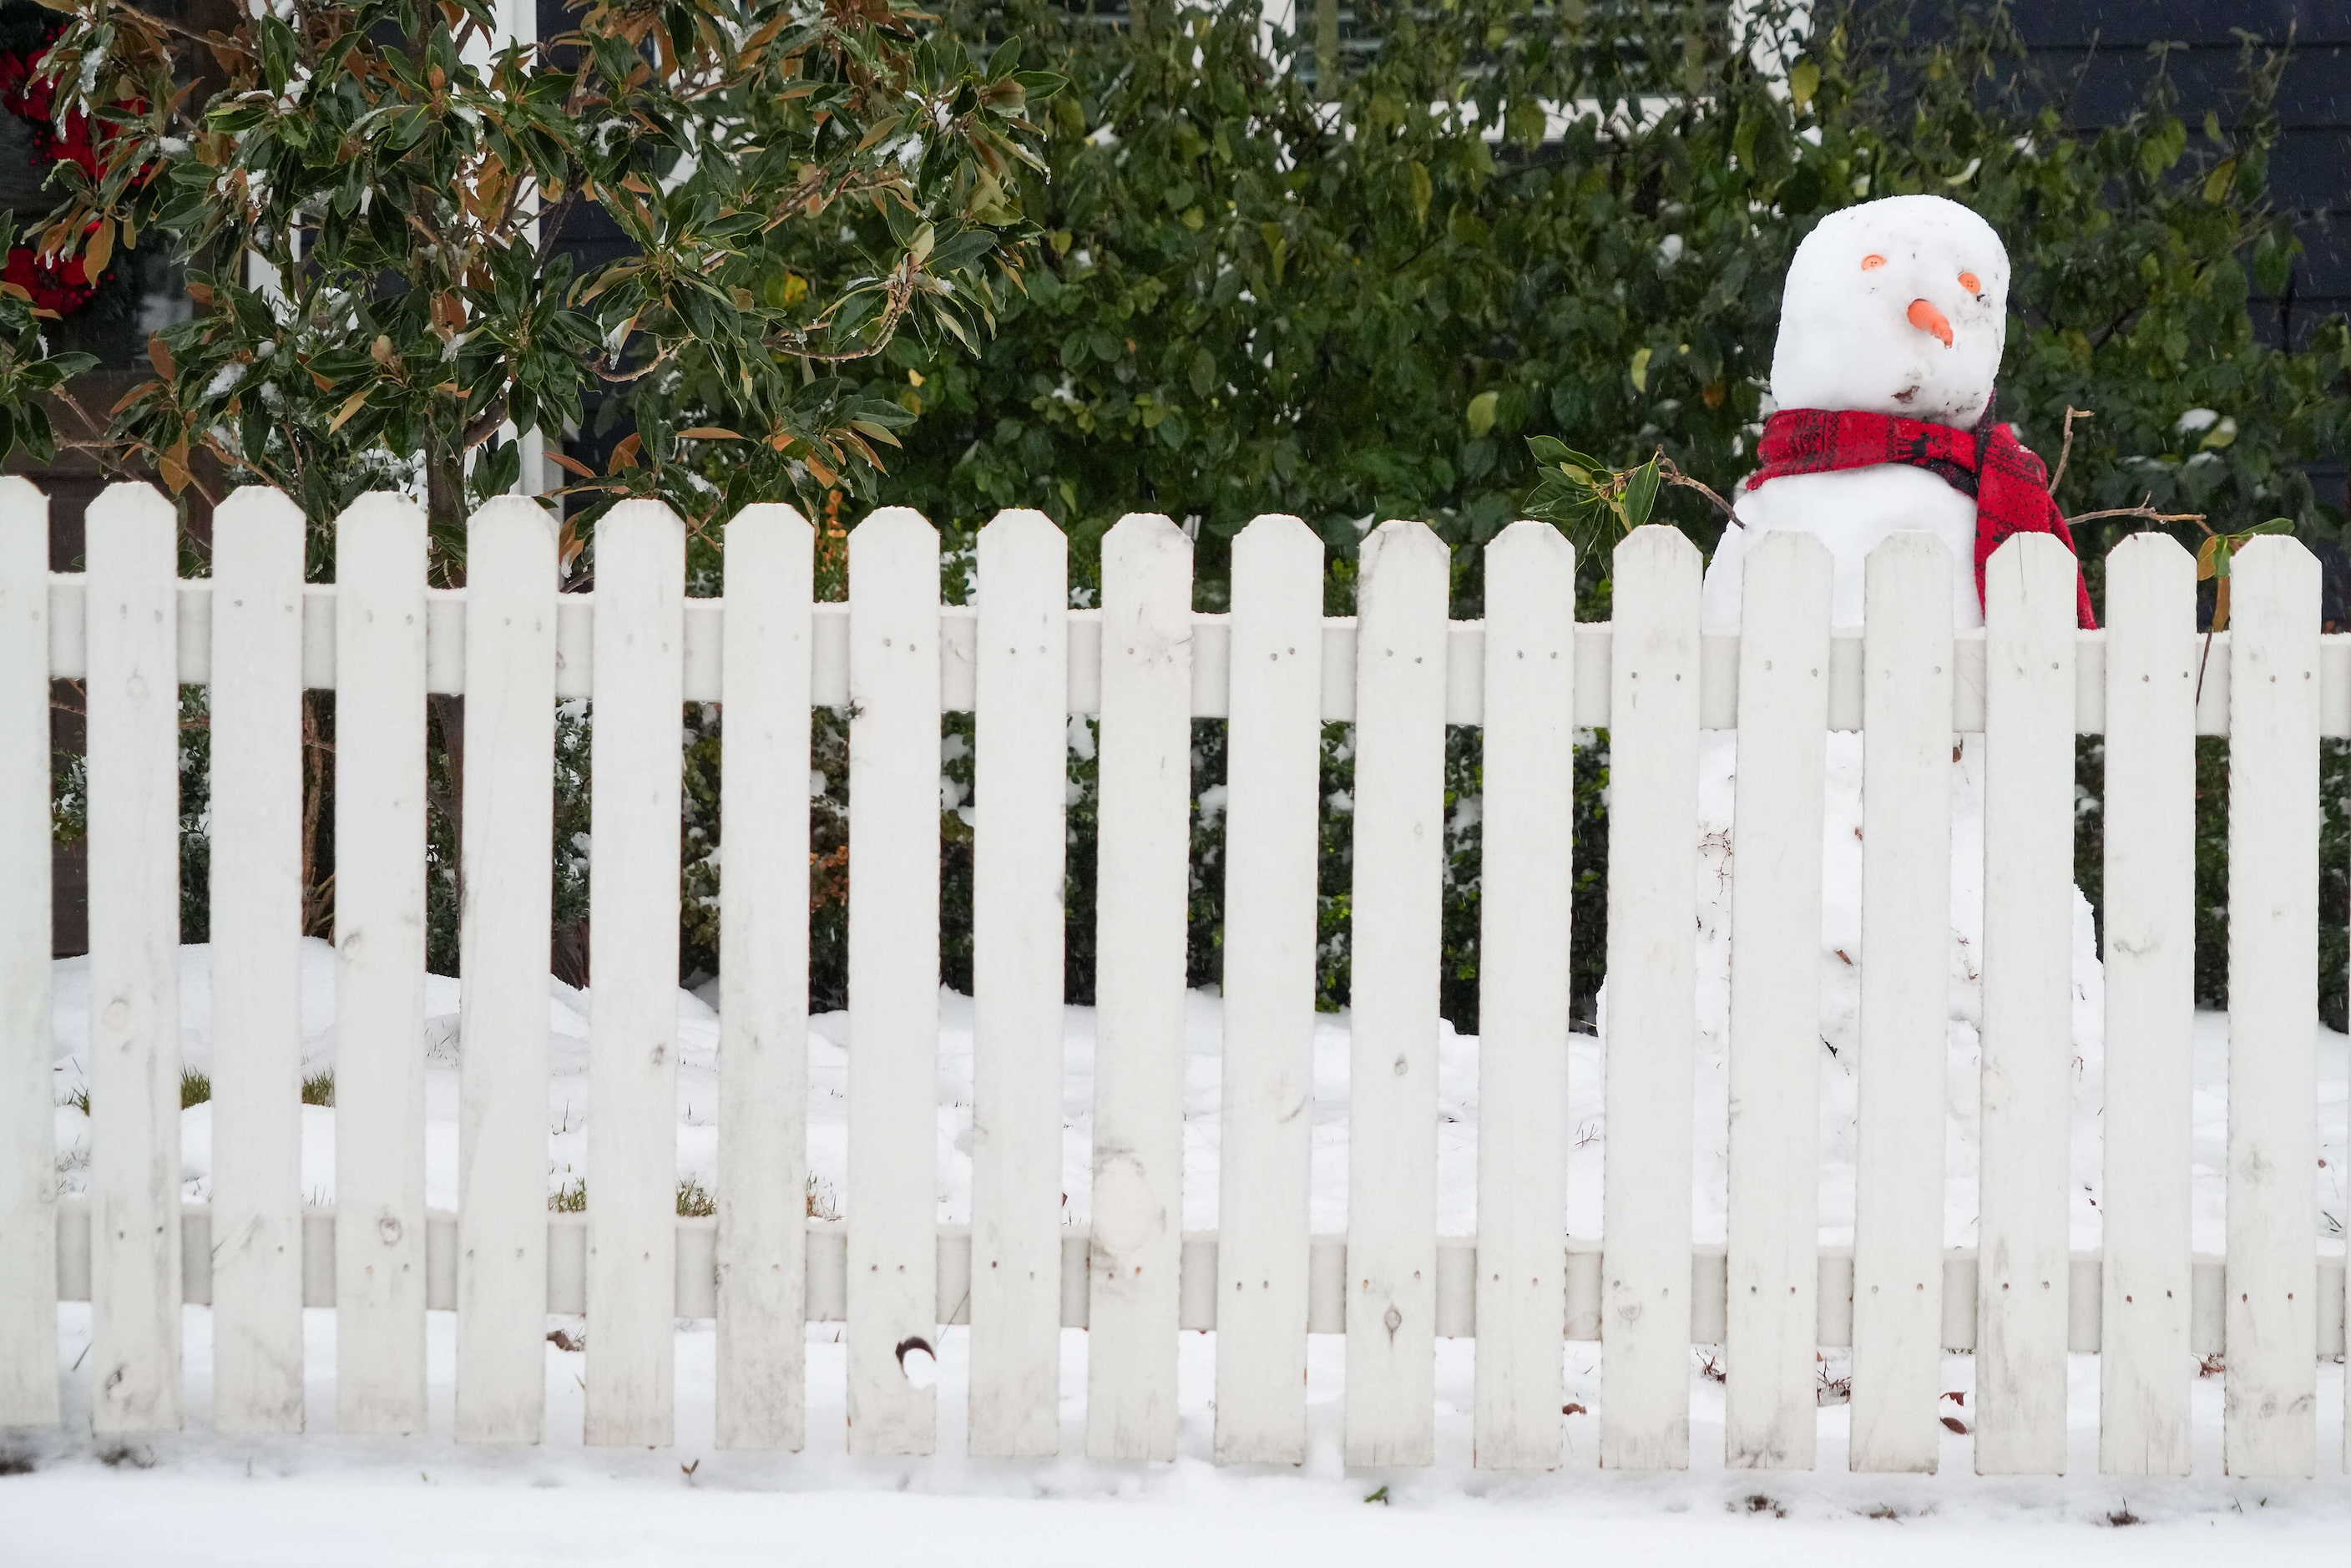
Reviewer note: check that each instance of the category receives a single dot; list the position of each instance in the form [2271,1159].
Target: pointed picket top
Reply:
[256,507]
[1401,540]
[377,506]
[890,529]
[1275,539]
[639,513]
[507,512]
[1138,532]
[1019,526]
[135,505]
[24,510]
[2281,563]
[2031,564]
[771,515]
[1539,545]
[1659,543]
[2151,549]
[1905,554]
[1803,552]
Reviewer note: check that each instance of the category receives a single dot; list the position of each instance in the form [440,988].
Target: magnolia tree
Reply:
[373,198]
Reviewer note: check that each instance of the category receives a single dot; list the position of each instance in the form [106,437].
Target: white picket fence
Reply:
[1275,668]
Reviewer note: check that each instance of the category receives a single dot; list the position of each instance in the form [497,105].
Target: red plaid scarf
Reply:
[2010,485]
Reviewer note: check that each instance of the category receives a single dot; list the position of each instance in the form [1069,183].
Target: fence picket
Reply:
[2271,1418]
[2150,933]
[1023,772]
[379,967]
[1525,884]
[1905,913]
[1652,1022]
[2022,1282]
[1273,759]
[1399,843]
[893,982]
[633,905]
[28,1172]
[1143,885]
[509,805]
[256,953]
[1771,1316]
[135,952]
[763,937]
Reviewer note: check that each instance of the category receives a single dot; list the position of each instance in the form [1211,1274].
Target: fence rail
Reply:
[1146,664]
[703,680]
[1199,1308]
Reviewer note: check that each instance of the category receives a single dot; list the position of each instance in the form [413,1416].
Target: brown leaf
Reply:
[351,405]
[1572,1408]
[571,464]
[99,249]
[159,354]
[173,474]
[1957,1396]
[624,454]
[707,432]
[1954,1424]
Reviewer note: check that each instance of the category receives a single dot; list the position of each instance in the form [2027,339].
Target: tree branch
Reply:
[2065,452]
[1674,476]
[2145,511]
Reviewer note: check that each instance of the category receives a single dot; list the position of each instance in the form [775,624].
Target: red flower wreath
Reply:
[60,284]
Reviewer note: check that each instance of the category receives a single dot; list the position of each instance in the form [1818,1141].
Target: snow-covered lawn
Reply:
[200,1498]
[1457,1131]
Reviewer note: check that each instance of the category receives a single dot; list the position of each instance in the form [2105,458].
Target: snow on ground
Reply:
[199,1498]
[697,1109]
[203,1498]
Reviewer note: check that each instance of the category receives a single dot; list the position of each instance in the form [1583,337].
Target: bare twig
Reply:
[2065,452]
[1674,476]
[2141,510]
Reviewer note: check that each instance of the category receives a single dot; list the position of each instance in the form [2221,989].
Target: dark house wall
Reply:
[2106,52]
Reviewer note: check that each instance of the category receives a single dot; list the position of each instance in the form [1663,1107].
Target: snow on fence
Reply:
[1147,665]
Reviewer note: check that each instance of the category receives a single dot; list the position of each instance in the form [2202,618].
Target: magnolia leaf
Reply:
[351,405]
[1639,369]
[707,432]
[1640,497]
[1803,81]
[98,250]
[2208,557]
[1481,412]
[1422,190]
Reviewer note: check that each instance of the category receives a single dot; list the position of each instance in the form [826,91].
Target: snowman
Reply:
[1891,328]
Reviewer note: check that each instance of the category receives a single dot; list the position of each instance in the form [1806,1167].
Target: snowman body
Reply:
[1851,511]
[1895,307]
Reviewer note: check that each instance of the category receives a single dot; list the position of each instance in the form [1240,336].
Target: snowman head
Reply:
[1896,306]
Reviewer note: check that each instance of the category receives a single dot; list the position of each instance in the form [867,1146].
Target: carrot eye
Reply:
[1871,263]
[1972,283]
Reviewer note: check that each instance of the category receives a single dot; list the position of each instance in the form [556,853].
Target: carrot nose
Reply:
[1926,319]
